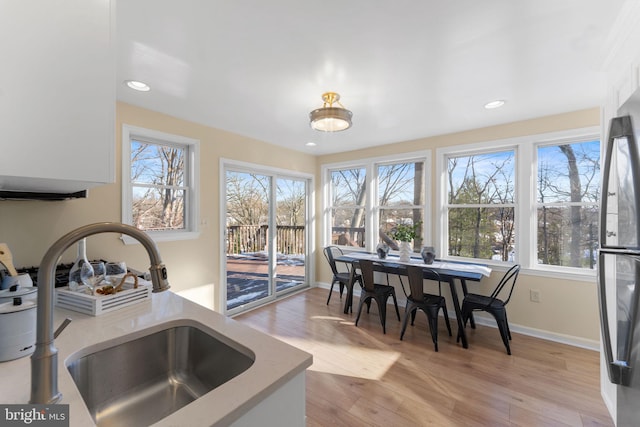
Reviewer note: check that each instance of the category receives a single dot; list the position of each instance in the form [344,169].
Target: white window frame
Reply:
[371,204]
[478,151]
[192,177]
[526,197]
[241,166]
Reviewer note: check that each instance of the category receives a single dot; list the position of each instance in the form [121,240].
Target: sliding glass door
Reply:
[291,208]
[266,236]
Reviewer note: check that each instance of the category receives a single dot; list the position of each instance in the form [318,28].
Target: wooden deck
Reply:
[248,278]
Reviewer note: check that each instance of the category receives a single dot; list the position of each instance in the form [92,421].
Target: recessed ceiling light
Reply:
[494,104]
[310,144]
[136,85]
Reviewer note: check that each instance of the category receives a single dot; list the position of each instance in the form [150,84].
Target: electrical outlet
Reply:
[534,295]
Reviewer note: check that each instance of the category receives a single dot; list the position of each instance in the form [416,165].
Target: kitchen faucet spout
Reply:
[44,360]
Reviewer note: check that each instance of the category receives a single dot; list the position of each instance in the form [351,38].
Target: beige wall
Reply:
[30,227]
[567,307]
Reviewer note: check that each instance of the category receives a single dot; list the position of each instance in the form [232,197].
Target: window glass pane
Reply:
[348,226]
[482,178]
[486,233]
[568,236]
[158,208]
[401,184]
[348,187]
[569,172]
[156,164]
[391,217]
[248,199]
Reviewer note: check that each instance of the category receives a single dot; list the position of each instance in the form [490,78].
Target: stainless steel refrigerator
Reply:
[619,262]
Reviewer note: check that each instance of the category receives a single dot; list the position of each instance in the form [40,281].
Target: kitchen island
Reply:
[271,392]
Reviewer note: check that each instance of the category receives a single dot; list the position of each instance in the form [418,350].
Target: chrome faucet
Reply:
[44,360]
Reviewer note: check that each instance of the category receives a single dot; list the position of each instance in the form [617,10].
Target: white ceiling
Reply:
[406,68]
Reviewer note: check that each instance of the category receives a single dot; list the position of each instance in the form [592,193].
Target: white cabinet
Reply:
[623,62]
[57,94]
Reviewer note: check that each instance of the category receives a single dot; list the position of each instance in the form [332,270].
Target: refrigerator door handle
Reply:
[619,371]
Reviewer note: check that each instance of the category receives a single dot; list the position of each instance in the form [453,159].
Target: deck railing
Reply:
[253,238]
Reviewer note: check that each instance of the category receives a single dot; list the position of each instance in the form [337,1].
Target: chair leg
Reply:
[330,291]
[432,319]
[395,303]
[503,326]
[413,317]
[408,311]
[382,309]
[465,316]
[341,289]
[362,301]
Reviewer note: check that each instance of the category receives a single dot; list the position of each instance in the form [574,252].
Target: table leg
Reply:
[472,321]
[456,304]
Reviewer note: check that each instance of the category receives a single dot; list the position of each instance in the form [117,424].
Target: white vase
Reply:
[405,251]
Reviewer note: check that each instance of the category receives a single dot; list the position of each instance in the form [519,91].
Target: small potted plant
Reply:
[405,233]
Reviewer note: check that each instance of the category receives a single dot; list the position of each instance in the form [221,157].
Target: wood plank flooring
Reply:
[361,377]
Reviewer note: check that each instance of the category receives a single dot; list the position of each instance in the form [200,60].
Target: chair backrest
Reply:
[330,253]
[366,270]
[508,281]
[416,278]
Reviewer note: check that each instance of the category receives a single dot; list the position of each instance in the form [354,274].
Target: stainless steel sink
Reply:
[141,381]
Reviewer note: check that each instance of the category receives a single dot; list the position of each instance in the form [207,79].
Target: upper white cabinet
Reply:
[57,94]
[623,62]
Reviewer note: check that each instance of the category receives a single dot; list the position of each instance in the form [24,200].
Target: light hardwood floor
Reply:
[361,377]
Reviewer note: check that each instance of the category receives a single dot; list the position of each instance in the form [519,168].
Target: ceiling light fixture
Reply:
[330,118]
[494,104]
[136,85]
[310,144]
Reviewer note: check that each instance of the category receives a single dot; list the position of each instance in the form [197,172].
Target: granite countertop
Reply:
[275,361]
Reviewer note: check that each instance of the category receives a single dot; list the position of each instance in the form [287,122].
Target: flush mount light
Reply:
[330,118]
[136,85]
[310,144]
[494,104]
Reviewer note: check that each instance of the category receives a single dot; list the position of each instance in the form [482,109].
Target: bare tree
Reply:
[157,174]
[575,183]
[247,199]
[291,202]
[473,228]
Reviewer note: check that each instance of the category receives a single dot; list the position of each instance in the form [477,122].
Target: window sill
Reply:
[580,275]
[163,236]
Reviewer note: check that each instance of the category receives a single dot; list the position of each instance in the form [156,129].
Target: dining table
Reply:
[448,270]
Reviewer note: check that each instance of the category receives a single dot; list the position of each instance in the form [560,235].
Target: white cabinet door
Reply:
[57,94]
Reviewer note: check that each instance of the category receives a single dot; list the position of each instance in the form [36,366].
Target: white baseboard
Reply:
[524,330]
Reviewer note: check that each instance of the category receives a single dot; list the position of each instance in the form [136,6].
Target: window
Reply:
[364,202]
[567,203]
[347,206]
[532,200]
[481,205]
[159,180]
[401,198]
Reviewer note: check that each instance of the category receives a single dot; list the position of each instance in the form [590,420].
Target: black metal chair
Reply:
[493,305]
[342,277]
[429,303]
[380,293]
